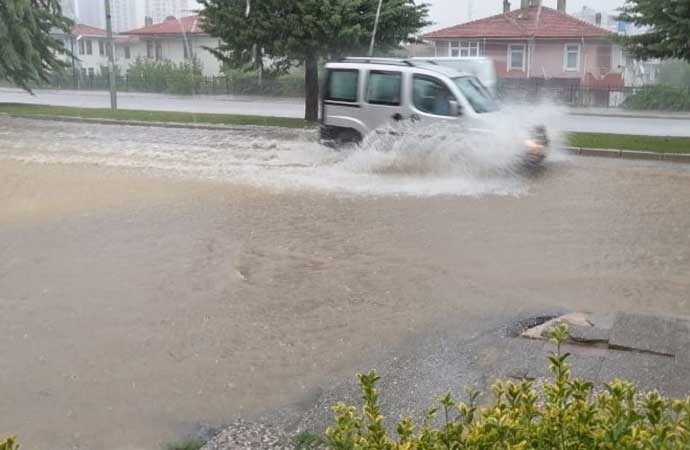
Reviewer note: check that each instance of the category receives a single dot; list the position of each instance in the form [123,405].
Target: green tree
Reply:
[28,52]
[291,32]
[668,22]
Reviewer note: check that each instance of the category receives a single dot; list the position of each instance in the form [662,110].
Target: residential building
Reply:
[175,40]
[537,42]
[90,48]
[123,13]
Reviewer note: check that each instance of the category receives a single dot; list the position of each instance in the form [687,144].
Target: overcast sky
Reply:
[452,12]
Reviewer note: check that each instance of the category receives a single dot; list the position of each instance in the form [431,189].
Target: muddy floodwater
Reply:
[153,279]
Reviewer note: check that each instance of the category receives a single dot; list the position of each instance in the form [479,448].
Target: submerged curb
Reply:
[629,154]
[283,131]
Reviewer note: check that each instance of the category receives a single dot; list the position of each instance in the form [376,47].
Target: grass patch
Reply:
[657,144]
[185,444]
[150,116]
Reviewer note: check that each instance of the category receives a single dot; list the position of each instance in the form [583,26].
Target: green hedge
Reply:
[662,98]
[566,414]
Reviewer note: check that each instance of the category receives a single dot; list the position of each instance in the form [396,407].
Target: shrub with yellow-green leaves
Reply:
[565,414]
[9,444]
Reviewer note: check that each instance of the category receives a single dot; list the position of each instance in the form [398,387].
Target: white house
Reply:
[175,40]
[88,44]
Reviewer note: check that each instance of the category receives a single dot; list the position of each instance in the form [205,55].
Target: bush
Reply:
[675,73]
[164,76]
[246,83]
[662,98]
[563,415]
[9,444]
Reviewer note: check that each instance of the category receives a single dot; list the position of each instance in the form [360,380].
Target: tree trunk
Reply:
[311,87]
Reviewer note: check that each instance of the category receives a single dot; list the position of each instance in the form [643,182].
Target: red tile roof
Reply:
[539,22]
[85,30]
[190,25]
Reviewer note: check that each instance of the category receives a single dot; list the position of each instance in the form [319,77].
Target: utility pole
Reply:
[376,26]
[111,57]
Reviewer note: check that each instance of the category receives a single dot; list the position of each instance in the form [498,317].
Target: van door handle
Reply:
[397,117]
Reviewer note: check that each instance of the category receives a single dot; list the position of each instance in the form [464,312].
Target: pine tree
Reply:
[291,32]
[28,52]
[668,22]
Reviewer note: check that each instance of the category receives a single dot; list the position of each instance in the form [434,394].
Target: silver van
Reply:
[362,95]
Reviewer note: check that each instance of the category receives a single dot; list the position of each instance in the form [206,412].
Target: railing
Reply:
[185,85]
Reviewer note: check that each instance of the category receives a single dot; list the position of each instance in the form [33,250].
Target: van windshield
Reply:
[475,93]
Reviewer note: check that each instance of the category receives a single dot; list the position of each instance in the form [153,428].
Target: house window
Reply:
[83,72]
[159,50]
[464,49]
[128,53]
[89,47]
[149,49]
[517,58]
[101,48]
[82,48]
[571,61]
[384,88]
[92,72]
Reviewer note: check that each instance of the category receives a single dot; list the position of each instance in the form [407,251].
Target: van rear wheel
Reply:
[347,136]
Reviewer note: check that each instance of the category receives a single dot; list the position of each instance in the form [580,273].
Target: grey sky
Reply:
[452,12]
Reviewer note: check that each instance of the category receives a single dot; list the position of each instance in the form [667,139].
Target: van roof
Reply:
[397,64]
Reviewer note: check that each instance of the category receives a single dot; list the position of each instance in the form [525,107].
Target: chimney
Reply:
[597,19]
[506,6]
[561,6]
[148,21]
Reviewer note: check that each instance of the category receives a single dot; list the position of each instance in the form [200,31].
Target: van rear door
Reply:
[383,98]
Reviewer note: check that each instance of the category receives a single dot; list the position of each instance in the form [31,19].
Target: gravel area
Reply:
[243,435]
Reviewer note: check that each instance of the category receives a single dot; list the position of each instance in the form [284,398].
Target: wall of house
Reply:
[547,58]
[173,50]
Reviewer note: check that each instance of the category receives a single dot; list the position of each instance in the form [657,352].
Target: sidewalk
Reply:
[625,113]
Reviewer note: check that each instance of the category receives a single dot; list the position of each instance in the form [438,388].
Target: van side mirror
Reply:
[453,108]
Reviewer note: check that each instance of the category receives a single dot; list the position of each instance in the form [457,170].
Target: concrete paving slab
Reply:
[588,335]
[681,343]
[644,333]
[647,371]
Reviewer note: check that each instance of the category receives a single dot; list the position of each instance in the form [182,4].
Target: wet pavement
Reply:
[151,280]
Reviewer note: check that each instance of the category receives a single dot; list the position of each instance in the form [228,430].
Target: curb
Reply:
[283,131]
[630,116]
[629,154]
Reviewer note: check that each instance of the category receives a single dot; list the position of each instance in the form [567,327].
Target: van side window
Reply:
[342,85]
[431,95]
[383,88]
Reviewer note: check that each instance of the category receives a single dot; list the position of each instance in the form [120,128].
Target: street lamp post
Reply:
[376,26]
[111,57]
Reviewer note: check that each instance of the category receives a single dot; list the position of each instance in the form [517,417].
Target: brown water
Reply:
[134,305]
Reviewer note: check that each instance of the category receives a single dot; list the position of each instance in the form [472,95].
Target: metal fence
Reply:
[185,85]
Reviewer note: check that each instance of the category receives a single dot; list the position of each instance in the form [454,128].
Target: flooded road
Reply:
[151,279]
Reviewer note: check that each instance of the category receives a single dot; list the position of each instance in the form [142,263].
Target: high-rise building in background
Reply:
[69,8]
[128,14]
[91,12]
[158,10]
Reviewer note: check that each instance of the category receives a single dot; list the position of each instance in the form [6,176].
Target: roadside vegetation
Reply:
[563,414]
[9,443]
[659,98]
[657,144]
[149,116]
